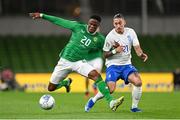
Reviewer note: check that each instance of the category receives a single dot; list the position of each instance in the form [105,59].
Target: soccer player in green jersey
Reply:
[84,39]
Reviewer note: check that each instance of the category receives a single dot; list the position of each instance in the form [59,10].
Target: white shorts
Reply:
[64,67]
[97,63]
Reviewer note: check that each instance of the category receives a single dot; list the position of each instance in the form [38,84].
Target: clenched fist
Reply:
[35,15]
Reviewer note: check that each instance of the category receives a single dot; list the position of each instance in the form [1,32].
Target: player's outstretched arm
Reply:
[56,20]
[140,53]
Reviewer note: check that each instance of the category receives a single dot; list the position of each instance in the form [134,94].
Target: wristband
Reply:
[114,51]
[41,15]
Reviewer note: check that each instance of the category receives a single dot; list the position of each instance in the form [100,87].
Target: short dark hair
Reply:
[96,17]
[118,15]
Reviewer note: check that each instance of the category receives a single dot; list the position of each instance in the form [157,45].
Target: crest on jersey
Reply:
[82,31]
[129,38]
[95,39]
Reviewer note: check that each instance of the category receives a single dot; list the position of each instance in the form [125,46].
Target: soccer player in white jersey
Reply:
[117,51]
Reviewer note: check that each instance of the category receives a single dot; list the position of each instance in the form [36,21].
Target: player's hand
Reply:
[35,15]
[119,49]
[144,57]
[116,44]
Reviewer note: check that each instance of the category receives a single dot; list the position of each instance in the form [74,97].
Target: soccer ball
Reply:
[46,102]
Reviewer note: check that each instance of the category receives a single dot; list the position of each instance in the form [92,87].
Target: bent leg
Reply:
[111,85]
[91,102]
[100,84]
[62,83]
[59,74]
[87,70]
[135,79]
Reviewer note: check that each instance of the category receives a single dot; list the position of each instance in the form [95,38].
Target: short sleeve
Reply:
[108,43]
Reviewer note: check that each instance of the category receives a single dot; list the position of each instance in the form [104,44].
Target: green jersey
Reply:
[82,44]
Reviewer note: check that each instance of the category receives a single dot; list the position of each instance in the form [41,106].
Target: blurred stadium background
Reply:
[31,47]
[156,22]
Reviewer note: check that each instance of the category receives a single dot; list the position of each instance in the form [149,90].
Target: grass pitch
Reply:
[18,105]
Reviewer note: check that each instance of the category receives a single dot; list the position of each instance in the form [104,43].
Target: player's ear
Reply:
[98,29]
[124,22]
[113,23]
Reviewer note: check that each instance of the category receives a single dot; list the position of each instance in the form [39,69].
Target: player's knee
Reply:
[138,83]
[93,75]
[111,88]
[111,91]
[51,87]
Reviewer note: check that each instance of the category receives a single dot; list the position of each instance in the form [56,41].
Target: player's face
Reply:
[119,24]
[93,25]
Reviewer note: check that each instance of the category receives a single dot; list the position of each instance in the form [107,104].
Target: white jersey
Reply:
[127,40]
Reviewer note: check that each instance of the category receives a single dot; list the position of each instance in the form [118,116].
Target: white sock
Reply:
[136,95]
[98,96]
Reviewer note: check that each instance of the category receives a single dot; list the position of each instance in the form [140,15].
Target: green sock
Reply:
[61,84]
[103,88]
